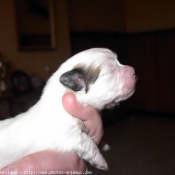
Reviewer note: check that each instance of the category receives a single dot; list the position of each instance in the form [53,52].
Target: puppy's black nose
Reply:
[135,75]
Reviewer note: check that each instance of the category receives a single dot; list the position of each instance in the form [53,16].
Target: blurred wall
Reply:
[33,62]
[128,16]
[121,16]
[96,15]
[149,15]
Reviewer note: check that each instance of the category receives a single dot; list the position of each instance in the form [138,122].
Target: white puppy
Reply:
[96,78]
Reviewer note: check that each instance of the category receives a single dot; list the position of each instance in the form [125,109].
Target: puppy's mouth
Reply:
[116,102]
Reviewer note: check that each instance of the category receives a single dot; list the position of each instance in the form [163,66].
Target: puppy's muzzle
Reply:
[130,77]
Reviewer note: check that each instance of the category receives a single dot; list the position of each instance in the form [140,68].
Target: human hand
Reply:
[54,161]
[45,162]
[90,116]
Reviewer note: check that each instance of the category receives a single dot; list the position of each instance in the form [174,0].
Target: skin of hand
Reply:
[53,161]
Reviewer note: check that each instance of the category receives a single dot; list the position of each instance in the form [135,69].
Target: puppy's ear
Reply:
[80,78]
[74,79]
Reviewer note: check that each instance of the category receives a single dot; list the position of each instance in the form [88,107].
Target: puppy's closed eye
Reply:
[80,78]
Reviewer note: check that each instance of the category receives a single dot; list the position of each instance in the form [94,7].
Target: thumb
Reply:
[89,115]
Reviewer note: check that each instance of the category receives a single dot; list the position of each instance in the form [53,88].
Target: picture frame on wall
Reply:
[35,24]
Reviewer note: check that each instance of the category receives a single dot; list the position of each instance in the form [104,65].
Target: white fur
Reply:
[47,126]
